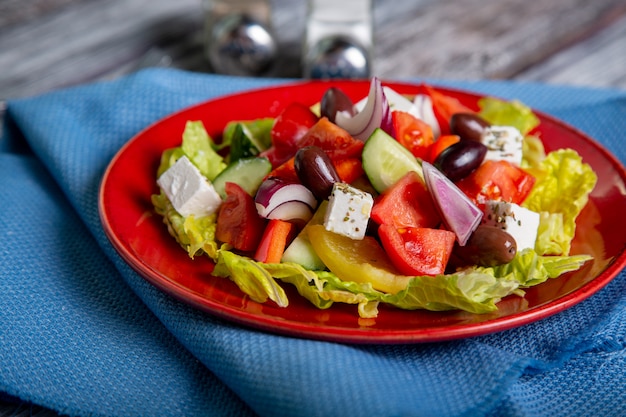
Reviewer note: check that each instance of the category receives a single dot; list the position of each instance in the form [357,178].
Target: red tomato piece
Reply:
[444,107]
[407,203]
[497,180]
[335,141]
[412,133]
[440,145]
[285,171]
[238,222]
[291,124]
[417,250]
[348,169]
[288,129]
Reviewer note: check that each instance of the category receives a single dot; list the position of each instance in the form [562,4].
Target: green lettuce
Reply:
[476,289]
[195,235]
[508,113]
[560,192]
[248,138]
[198,146]
[251,277]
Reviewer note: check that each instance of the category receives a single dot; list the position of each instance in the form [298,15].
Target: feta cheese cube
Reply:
[188,190]
[522,224]
[503,143]
[348,211]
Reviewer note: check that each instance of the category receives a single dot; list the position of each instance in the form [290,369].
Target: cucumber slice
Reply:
[385,160]
[248,173]
[300,251]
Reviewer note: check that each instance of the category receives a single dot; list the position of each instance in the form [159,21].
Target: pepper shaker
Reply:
[238,36]
[338,39]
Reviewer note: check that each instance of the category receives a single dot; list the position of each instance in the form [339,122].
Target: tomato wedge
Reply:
[348,169]
[238,222]
[335,141]
[414,134]
[442,142]
[417,250]
[285,171]
[288,129]
[444,107]
[497,180]
[407,203]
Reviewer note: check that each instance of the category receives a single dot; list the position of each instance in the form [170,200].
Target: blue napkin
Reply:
[82,333]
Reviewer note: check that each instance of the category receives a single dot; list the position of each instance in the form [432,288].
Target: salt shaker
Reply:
[338,39]
[238,36]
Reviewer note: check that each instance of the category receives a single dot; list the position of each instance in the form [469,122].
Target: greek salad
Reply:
[415,202]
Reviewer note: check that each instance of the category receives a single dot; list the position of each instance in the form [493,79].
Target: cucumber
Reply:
[385,160]
[248,173]
[300,250]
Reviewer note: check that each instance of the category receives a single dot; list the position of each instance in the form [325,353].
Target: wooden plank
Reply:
[75,41]
[606,66]
[90,41]
[15,12]
[462,40]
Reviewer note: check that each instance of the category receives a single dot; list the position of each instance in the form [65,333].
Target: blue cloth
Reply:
[82,333]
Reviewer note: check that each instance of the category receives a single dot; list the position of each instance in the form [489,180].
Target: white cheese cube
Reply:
[188,190]
[348,211]
[503,143]
[522,224]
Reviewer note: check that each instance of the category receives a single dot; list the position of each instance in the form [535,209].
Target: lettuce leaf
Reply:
[251,277]
[508,113]
[258,132]
[198,146]
[561,191]
[195,235]
[476,290]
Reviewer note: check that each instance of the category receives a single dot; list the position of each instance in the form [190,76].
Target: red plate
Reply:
[141,238]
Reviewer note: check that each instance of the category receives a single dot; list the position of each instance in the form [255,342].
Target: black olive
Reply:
[468,126]
[333,101]
[316,171]
[487,246]
[461,158]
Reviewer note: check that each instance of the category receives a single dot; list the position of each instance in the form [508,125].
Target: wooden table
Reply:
[51,44]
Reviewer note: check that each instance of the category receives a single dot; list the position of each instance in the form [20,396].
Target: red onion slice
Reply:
[291,210]
[458,212]
[375,114]
[278,199]
[424,106]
